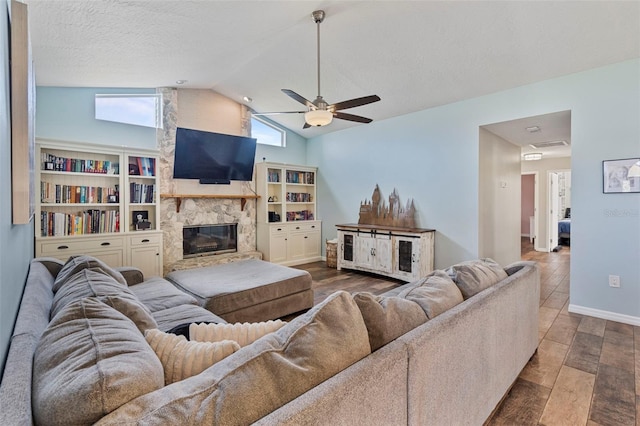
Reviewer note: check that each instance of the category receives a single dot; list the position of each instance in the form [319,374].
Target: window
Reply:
[267,133]
[141,110]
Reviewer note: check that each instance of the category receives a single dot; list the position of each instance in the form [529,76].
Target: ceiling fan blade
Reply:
[351,117]
[352,103]
[278,112]
[299,98]
[306,125]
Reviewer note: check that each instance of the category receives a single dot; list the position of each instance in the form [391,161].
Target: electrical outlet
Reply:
[614,281]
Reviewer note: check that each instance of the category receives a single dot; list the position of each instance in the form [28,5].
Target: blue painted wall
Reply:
[68,114]
[432,156]
[16,241]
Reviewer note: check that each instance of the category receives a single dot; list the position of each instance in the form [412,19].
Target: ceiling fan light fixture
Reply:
[318,117]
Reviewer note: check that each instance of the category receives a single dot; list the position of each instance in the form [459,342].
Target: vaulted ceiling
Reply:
[413,54]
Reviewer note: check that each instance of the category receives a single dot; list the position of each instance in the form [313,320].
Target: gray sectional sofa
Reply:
[449,365]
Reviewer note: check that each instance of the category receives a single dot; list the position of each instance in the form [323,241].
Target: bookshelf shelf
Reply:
[87,203]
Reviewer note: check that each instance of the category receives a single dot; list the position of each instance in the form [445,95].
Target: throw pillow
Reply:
[181,358]
[261,377]
[93,282]
[473,276]
[388,318]
[243,333]
[78,263]
[90,360]
[435,294]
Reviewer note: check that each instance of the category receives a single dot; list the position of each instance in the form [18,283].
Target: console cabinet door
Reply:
[382,253]
[365,246]
[407,257]
[346,249]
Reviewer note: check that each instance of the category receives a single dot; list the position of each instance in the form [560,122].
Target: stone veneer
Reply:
[198,211]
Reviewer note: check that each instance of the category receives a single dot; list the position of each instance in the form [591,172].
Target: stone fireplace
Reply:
[199,207]
[205,240]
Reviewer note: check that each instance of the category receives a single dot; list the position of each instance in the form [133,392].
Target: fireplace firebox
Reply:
[204,240]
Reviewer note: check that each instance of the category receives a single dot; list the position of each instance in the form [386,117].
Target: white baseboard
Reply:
[611,316]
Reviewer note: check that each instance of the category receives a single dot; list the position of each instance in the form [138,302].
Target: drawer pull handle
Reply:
[105,244]
[306,236]
[297,227]
[146,240]
[63,247]
[279,229]
[313,226]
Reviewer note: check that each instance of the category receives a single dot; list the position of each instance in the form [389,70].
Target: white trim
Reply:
[524,235]
[611,316]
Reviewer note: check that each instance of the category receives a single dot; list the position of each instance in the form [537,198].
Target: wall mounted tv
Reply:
[213,157]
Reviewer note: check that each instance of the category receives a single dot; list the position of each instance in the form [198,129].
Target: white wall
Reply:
[543,167]
[432,156]
[499,199]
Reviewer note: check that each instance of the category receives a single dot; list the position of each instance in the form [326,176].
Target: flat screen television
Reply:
[213,157]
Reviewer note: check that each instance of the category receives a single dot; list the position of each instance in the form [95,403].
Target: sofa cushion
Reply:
[243,333]
[387,318]
[90,360]
[473,276]
[184,315]
[158,294]
[78,263]
[92,282]
[181,358]
[435,294]
[263,376]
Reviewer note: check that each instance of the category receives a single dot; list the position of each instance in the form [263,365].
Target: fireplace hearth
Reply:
[205,240]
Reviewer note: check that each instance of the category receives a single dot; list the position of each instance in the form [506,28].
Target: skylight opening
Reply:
[267,133]
[140,110]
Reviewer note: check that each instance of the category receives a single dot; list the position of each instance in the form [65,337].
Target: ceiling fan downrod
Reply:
[318,17]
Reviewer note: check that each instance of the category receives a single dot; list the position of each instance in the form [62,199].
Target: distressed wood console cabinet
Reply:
[402,253]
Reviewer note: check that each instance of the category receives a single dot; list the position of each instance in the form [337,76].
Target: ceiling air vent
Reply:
[548,144]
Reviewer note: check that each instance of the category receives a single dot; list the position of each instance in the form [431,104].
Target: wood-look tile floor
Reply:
[586,370]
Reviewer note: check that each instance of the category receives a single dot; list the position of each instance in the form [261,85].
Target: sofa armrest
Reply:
[52,264]
[131,274]
[516,266]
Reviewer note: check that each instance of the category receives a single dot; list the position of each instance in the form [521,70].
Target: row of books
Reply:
[273,176]
[298,197]
[63,164]
[141,193]
[143,166]
[54,193]
[55,224]
[300,177]
[299,215]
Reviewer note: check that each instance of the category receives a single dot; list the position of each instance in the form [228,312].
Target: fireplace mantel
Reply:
[243,198]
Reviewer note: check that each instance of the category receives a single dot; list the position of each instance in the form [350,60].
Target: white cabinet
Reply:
[287,230]
[98,200]
[405,254]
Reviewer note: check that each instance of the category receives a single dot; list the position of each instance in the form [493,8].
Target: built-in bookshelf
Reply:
[90,204]
[288,229]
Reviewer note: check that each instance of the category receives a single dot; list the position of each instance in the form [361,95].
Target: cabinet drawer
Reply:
[304,227]
[142,240]
[278,230]
[68,246]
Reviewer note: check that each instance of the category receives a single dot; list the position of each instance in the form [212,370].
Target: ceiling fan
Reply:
[320,113]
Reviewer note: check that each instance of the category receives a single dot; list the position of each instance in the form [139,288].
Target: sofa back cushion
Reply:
[263,376]
[388,318]
[434,294]
[90,360]
[473,276]
[93,282]
[78,263]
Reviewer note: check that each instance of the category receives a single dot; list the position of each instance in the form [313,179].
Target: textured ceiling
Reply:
[413,54]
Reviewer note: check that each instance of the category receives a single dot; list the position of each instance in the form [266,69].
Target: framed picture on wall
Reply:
[621,176]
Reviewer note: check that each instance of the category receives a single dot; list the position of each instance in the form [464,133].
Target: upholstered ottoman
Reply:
[248,290]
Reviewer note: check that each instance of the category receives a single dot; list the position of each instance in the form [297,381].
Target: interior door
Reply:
[553,211]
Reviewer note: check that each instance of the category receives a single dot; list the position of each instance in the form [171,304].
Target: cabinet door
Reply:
[407,257]
[296,245]
[346,249]
[382,253]
[113,258]
[365,247]
[278,247]
[312,244]
[147,259]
